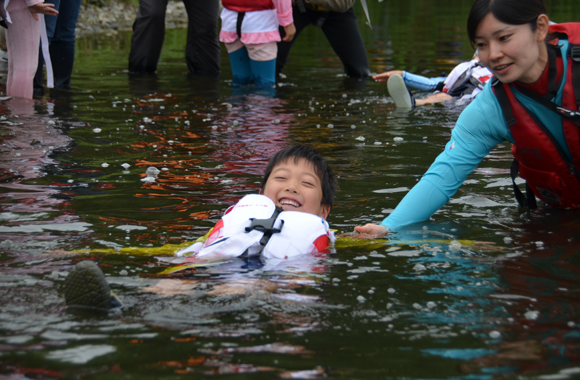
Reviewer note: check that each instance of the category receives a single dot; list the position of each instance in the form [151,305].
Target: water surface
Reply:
[482,290]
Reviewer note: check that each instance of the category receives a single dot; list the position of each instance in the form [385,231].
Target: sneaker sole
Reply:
[86,287]
[399,92]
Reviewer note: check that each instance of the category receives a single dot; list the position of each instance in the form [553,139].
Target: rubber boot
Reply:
[241,70]
[62,55]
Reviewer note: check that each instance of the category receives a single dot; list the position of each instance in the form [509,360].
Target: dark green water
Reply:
[504,303]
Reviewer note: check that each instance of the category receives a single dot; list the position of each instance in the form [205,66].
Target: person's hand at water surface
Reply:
[290,31]
[42,8]
[370,231]
[383,77]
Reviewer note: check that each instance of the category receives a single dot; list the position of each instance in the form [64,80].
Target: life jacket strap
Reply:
[526,201]
[503,101]
[241,16]
[553,83]
[573,116]
[266,226]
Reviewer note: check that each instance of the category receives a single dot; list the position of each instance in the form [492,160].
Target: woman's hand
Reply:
[43,8]
[386,75]
[370,231]
[290,31]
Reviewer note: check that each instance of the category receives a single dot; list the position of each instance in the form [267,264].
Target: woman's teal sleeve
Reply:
[480,127]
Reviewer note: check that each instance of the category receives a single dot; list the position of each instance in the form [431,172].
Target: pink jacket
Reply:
[19,4]
[260,26]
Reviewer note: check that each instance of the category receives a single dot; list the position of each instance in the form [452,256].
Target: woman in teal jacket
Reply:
[511,38]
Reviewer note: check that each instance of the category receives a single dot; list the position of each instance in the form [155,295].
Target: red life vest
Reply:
[549,172]
[248,5]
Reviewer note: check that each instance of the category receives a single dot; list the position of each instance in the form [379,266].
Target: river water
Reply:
[482,290]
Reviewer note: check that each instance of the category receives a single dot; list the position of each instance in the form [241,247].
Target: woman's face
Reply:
[512,52]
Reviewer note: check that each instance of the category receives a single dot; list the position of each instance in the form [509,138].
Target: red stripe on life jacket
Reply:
[485,78]
[248,5]
[215,233]
[321,243]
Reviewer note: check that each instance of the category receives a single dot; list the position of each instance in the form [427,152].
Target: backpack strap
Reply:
[571,32]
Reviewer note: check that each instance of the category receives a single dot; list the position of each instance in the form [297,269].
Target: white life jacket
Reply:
[300,233]
[471,71]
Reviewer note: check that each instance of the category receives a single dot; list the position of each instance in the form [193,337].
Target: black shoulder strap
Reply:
[554,84]
[575,56]
[239,21]
[504,102]
[527,201]
[573,116]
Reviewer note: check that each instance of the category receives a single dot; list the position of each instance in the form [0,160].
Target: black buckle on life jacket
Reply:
[575,53]
[266,226]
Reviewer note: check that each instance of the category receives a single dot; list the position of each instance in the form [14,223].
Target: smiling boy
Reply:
[286,219]
[297,178]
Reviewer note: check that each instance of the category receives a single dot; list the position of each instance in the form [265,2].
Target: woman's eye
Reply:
[503,38]
[480,45]
[308,184]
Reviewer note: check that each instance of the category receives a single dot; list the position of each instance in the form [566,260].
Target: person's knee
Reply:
[151,11]
[64,35]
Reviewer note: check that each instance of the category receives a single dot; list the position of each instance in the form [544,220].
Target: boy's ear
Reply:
[260,192]
[324,211]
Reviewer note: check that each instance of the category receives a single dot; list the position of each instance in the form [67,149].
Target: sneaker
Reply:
[86,287]
[400,93]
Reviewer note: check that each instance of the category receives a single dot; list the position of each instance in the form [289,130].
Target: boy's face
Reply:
[295,186]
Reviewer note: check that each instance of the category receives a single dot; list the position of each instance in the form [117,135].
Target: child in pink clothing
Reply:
[22,40]
[250,31]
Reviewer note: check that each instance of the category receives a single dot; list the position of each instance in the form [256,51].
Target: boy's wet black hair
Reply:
[321,168]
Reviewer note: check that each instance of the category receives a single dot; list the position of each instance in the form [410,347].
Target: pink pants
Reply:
[22,40]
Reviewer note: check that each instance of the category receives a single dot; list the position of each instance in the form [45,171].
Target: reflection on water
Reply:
[481,290]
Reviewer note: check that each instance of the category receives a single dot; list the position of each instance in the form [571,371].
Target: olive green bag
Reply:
[339,6]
